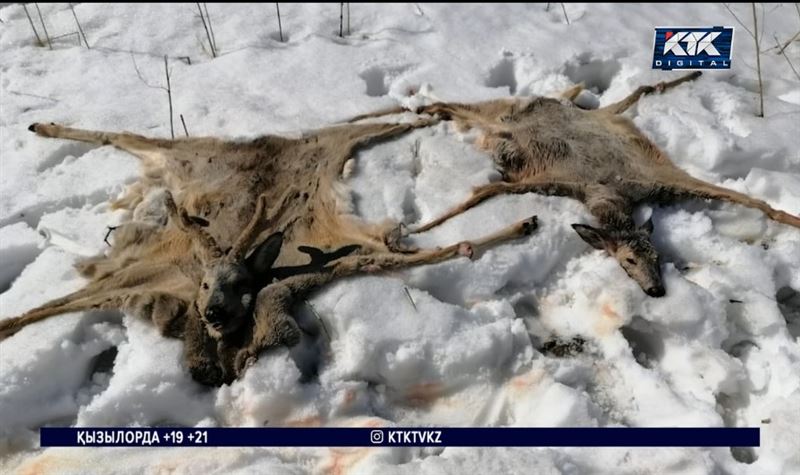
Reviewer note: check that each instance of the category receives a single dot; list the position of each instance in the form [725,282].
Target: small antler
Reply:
[193,227]
[259,221]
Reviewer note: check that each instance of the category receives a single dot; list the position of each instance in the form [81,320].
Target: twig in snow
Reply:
[83,35]
[208,34]
[341,20]
[787,43]
[141,78]
[39,41]
[184,126]
[319,319]
[564,9]
[348,18]
[280,28]
[739,21]
[49,43]
[408,294]
[419,9]
[415,149]
[75,33]
[168,89]
[758,63]
[787,58]
[169,97]
[547,8]
[210,28]
[32,95]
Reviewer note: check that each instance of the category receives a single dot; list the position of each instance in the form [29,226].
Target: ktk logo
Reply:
[696,43]
[693,48]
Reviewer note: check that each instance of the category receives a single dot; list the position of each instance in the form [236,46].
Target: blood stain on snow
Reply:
[309,421]
[525,381]
[609,320]
[424,394]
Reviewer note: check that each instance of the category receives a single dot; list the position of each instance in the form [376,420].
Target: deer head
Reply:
[632,249]
[232,278]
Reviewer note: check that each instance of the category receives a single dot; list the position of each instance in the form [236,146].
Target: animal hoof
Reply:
[394,235]
[244,359]
[288,332]
[466,249]
[370,268]
[530,225]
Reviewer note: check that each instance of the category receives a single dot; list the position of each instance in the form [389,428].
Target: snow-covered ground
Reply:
[721,349]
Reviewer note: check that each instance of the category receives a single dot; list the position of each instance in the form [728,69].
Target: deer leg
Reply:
[274,324]
[625,104]
[124,141]
[201,354]
[379,113]
[167,312]
[694,188]
[465,116]
[365,135]
[144,148]
[75,302]
[485,192]
[442,108]
[373,263]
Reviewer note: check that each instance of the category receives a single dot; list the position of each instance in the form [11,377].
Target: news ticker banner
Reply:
[401,437]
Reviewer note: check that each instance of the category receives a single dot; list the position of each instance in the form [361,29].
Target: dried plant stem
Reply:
[185,131]
[564,9]
[210,27]
[341,20]
[280,28]
[169,97]
[410,299]
[738,20]
[758,63]
[39,41]
[44,27]
[208,34]
[783,53]
[80,29]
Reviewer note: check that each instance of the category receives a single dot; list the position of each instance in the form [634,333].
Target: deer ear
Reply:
[596,238]
[262,258]
[647,226]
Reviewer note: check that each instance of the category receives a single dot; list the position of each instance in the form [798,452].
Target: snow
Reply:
[721,349]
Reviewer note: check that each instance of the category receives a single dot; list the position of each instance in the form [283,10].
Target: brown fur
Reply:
[549,146]
[200,205]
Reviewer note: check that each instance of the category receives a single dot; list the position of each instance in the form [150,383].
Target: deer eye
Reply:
[631,261]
